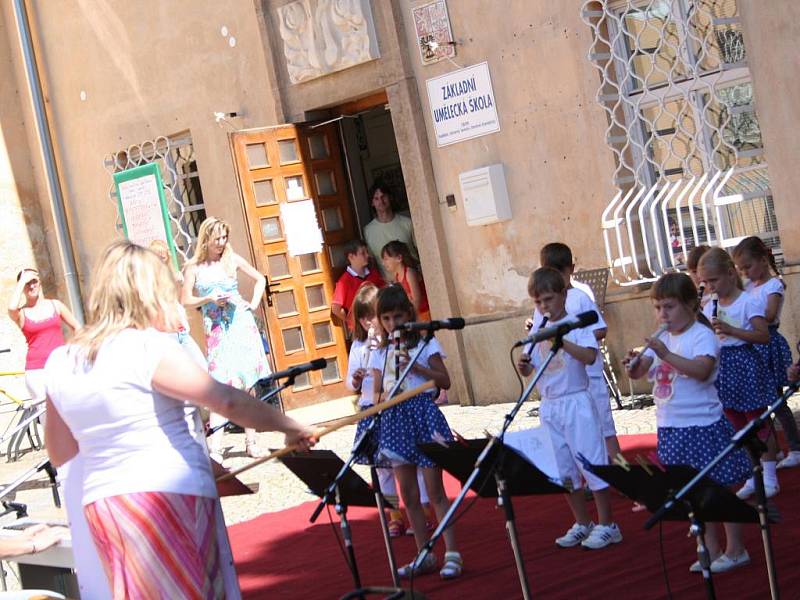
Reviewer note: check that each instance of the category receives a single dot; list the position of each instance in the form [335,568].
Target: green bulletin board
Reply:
[143,207]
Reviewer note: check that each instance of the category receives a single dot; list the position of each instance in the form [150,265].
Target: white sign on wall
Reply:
[462,105]
[141,207]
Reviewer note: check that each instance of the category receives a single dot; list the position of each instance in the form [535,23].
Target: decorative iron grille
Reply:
[683,129]
[175,157]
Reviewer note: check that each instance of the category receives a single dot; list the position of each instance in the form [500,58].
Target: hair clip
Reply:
[643,463]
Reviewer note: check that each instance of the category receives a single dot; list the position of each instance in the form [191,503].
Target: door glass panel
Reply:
[284,303]
[278,266]
[315,296]
[264,192]
[323,335]
[271,229]
[330,374]
[287,149]
[257,156]
[295,190]
[332,219]
[318,146]
[326,184]
[292,339]
[337,256]
[309,263]
[301,383]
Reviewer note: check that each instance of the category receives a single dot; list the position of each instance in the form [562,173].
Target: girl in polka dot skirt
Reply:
[744,383]
[692,429]
[415,421]
[756,263]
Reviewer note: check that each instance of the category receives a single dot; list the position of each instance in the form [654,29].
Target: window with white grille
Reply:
[175,157]
[682,125]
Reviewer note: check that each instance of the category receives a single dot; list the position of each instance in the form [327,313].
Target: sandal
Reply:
[428,566]
[396,528]
[453,565]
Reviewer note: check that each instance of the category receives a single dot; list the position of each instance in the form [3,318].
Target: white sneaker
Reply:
[771,490]
[602,536]
[575,535]
[792,460]
[726,563]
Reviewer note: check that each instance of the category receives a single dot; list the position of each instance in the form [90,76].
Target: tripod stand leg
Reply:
[504,500]
[387,540]
[763,524]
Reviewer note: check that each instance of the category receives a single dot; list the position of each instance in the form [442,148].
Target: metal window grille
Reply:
[683,129]
[175,157]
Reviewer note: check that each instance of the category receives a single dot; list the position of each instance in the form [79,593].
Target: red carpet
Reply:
[279,555]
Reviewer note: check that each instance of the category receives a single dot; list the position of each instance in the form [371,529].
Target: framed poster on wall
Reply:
[142,207]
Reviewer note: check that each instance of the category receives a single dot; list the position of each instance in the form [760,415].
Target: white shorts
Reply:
[598,390]
[574,429]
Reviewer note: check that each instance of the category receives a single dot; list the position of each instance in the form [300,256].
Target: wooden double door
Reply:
[293,187]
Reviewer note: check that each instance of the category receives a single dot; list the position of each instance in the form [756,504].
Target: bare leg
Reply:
[440,503]
[612,447]
[602,499]
[712,541]
[409,491]
[577,503]
[734,539]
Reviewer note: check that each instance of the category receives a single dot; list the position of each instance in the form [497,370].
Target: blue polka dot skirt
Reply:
[697,446]
[744,382]
[415,421]
[777,355]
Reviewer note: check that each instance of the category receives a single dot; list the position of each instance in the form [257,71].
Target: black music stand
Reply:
[512,473]
[707,502]
[326,476]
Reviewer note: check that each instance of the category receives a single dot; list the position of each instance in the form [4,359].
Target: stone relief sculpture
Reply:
[325,36]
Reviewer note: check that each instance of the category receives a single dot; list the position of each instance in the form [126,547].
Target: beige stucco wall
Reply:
[147,73]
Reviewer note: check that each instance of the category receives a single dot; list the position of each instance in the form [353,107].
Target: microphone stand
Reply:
[265,398]
[332,491]
[746,437]
[503,496]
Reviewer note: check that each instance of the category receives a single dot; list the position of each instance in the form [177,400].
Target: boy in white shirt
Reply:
[570,415]
[558,256]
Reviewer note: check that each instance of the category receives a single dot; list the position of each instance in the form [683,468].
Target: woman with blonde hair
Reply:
[234,348]
[117,392]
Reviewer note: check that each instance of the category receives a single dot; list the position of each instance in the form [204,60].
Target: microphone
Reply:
[632,365]
[714,305]
[582,320]
[451,323]
[397,338]
[314,365]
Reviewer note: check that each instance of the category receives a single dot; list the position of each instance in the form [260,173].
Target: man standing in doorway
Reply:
[387,225]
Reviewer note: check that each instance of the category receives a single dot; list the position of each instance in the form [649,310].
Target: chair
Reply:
[24,422]
[597,281]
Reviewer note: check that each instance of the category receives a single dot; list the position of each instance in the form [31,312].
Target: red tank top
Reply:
[43,337]
[423,308]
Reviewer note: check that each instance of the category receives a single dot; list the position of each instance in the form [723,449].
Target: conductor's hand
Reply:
[524,365]
[304,437]
[44,536]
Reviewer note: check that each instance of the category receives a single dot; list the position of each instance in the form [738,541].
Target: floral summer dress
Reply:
[235,350]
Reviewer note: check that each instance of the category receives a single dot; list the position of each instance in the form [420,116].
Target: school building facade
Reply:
[631,130]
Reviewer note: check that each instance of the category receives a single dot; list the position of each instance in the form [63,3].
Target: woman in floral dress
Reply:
[235,351]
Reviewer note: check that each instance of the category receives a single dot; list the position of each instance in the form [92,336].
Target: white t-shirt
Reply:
[682,401]
[359,359]
[578,302]
[579,285]
[379,357]
[764,291]
[564,375]
[132,438]
[737,314]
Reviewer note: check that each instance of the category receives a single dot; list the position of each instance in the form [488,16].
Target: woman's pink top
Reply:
[43,337]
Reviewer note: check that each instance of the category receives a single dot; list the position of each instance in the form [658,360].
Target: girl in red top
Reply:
[399,264]
[40,320]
